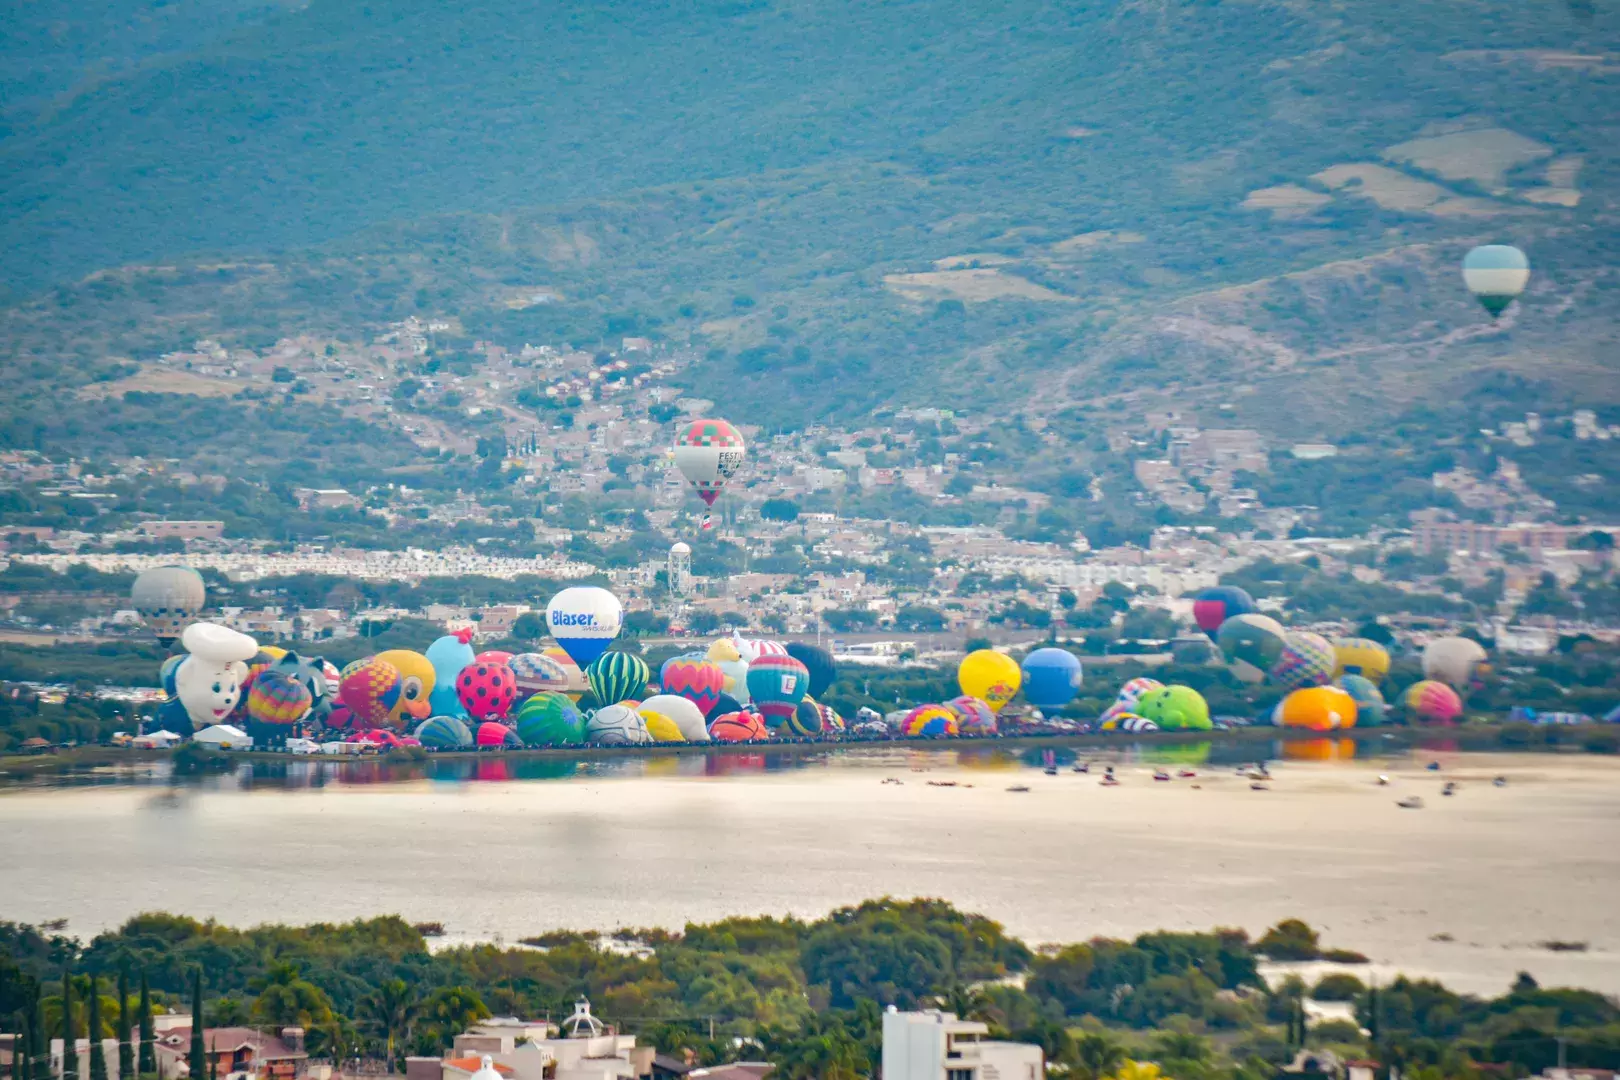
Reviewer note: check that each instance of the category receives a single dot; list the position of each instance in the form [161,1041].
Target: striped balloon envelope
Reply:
[930,720]
[616,677]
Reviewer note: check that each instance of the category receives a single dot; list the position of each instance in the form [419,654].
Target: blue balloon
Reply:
[1051,678]
[448,655]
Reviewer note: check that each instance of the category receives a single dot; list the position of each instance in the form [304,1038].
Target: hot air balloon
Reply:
[933,721]
[577,683]
[617,725]
[449,655]
[973,717]
[1175,708]
[1370,708]
[616,677]
[1133,691]
[549,719]
[708,453]
[1432,702]
[1215,605]
[685,712]
[660,727]
[318,676]
[1252,645]
[538,673]
[725,655]
[1320,708]
[806,719]
[492,734]
[1135,724]
[1051,678]
[444,733]
[1496,274]
[169,598]
[417,680]
[740,726]
[818,662]
[1360,656]
[990,676]
[1453,660]
[699,681]
[371,688]
[276,702]
[776,685]
[584,619]
[1307,660]
[486,691]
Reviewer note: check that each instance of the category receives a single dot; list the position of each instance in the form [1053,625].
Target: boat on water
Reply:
[1050,770]
[1383,781]
[1186,774]
[1500,781]
[1450,788]
[1258,774]
[1082,767]
[1258,786]
[1411,802]
[1160,774]
[1110,781]
[1433,766]
[1019,787]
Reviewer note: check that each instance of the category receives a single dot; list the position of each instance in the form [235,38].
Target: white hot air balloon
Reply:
[1453,660]
[584,619]
[1496,274]
[708,453]
[169,598]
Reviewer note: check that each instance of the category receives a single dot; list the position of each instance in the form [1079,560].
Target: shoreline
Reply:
[21,768]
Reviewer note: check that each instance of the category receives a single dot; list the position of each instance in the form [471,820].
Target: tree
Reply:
[529,626]
[450,1010]
[126,1053]
[390,1011]
[22,1049]
[1097,1056]
[197,1058]
[146,1051]
[42,1038]
[98,1053]
[1337,986]
[1290,939]
[779,510]
[286,999]
[70,1034]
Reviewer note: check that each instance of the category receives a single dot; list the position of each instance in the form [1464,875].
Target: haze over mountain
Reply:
[1258,204]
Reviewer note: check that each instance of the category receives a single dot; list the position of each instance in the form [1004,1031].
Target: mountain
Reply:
[1003,204]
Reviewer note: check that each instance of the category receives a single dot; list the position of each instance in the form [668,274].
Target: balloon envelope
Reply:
[549,719]
[708,453]
[1252,645]
[1215,605]
[776,684]
[699,681]
[1496,274]
[973,717]
[584,619]
[1051,678]
[169,598]
[1133,691]
[1175,708]
[493,733]
[617,725]
[1320,708]
[1453,660]
[444,733]
[683,711]
[1432,702]
[930,720]
[1307,660]
[1370,707]
[818,662]
[1360,656]
[487,691]
[990,676]
[616,677]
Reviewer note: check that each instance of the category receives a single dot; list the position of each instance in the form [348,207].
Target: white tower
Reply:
[680,571]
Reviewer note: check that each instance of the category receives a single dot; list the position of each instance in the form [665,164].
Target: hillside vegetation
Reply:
[1259,204]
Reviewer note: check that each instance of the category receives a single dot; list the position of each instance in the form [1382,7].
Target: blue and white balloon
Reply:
[584,619]
[1051,678]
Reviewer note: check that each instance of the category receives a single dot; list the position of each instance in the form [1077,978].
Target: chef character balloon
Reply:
[208,680]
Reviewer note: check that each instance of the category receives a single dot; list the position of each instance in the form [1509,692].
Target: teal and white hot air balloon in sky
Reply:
[1496,274]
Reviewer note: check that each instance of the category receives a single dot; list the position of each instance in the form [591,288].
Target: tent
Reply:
[223,737]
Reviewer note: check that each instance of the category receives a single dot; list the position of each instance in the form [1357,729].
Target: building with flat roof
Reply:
[934,1045]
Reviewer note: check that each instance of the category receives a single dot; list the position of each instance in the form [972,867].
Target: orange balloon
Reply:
[1320,708]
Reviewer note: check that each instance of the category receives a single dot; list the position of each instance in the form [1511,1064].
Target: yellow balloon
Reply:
[1360,656]
[1320,708]
[416,683]
[661,727]
[990,676]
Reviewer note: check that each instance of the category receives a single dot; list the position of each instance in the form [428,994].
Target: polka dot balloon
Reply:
[486,690]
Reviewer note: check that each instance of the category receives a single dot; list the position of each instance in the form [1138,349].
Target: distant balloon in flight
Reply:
[1496,274]
[169,598]
[708,453]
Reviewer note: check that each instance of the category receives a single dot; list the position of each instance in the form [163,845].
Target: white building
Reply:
[533,1050]
[933,1045]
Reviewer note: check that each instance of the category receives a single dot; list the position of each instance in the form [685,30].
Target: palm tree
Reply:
[1098,1056]
[390,1011]
[966,1000]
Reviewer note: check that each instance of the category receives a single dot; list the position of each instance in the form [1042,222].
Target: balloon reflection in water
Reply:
[1317,749]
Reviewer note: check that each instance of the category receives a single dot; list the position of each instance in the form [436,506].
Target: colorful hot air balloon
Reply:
[699,681]
[577,683]
[708,453]
[660,727]
[617,725]
[818,662]
[1307,660]
[492,733]
[538,673]
[776,684]
[1496,274]
[1218,603]
[584,619]
[973,717]
[1320,708]
[549,719]
[990,676]
[832,724]
[1135,724]
[318,676]
[1453,660]
[806,719]
[169,598]
[1133,691]
[1360,656]
[417,681]
[276,702]
[932,721]
[616,677]
[1370,707]
[1432,702]
[486,691]
[370,689]
[1175,708]
[1051,678]
[740,726]
[444,733]
[449,655]
[725,655]
[1252,645]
